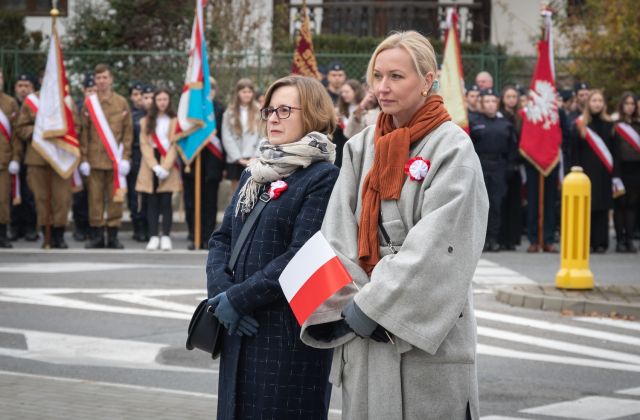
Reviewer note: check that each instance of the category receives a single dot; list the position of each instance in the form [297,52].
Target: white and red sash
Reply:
[114,151]
[215,147]
[627,132]
[5,126]
[33,102]
[162,143]
[598,145]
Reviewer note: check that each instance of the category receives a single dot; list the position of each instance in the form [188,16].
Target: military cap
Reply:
[89,81]
[148,89]
[135,85]
[580,86]
[473,88]
[24,77]
[488,92]
[336,66]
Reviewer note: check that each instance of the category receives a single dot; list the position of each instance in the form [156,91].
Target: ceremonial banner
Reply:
[304,59]
[196,119]
[541,134]
[312,276]
[452,75]
[54,133]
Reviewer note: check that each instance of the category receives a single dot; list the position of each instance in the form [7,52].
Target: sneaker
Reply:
[165,243]
[154,244]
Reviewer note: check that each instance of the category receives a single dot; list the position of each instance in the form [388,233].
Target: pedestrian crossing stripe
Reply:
[589,408]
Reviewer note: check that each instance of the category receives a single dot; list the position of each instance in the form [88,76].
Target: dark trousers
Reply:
[494,172]
[23,216]
[159,204]
[137,210]
[624,214]
[209,205]
[600,229]
[80,208]
[550,198]
[511,224]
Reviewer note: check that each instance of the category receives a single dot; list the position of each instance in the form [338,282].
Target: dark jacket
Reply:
[273,375]
[581,154]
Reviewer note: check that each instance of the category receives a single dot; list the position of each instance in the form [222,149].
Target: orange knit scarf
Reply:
[386,176]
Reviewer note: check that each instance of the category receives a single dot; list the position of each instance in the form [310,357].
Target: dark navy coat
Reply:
[273,375]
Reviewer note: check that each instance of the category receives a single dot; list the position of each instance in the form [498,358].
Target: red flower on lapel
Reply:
[416,168]
[277,188]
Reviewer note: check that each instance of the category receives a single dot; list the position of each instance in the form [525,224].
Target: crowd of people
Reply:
[154,169]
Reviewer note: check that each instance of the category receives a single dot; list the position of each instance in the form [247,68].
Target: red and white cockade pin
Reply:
[417,168]
[277,188]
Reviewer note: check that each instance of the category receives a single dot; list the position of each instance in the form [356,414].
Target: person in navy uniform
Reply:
[472,99]
[495,142]
[137,209]
[266,371]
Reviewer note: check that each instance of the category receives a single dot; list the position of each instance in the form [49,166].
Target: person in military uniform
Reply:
[495,142]
[98,167]
[80,206]
[472,98]
[23,215]
[581,92]
[52,193]
[212,167]
[8,113]
[135,201]
[336,77]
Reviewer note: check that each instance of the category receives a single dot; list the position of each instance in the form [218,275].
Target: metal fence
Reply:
[167,68]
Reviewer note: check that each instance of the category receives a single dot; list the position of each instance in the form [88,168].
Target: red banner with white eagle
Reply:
[541,136]
[304,59]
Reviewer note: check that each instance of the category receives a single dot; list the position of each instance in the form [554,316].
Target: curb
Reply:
[621,299]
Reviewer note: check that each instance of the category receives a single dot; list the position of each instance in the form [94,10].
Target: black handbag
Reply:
[205,331]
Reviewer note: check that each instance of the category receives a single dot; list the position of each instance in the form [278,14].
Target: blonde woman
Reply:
[584,152]
[240,130]
[405,336]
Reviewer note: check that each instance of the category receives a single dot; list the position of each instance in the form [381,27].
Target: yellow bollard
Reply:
[574,270]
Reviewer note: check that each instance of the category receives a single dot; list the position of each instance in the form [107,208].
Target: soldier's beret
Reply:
[148,89]
[89,82]
[336,66]
[135,85]
[580,86]
[473,88]
[487,92]
[24,77]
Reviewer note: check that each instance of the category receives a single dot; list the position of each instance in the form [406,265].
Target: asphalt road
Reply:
[112,325]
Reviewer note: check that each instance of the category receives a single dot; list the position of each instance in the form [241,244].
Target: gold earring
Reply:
[424,93]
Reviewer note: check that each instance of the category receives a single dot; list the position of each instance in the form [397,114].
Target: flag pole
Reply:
[197,222]
[541,211]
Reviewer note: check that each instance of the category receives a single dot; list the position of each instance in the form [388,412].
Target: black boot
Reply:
[4,240]
[112,238]
[30,234]
[58,238]
[81,232]
[13,233]
[96,235]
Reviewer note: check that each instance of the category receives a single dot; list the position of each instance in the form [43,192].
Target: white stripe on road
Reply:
[487,350]
[81,267]
[630,391]
[549,326]
[608,322]
[128,251]
[490,273]
[589,408]
[501,418]
[152,302]
[559,345]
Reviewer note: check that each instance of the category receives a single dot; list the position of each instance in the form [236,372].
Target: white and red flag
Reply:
[452,75]
[312,276]
[54,134]
[541,134]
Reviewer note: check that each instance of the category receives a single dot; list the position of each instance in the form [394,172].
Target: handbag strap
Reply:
[246,229]
[385,235]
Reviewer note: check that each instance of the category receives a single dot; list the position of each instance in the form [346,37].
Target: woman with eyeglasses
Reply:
[408,219]
[266,372]
[240,134]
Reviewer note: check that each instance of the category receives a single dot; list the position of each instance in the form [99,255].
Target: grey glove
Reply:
[362,325]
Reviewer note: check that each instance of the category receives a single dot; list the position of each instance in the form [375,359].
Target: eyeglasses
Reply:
[283,112]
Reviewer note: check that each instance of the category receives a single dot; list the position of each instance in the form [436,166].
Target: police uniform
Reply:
[472,115]
[52,206]
[100,180]
[80,206]
[573,115]
[23,215]
[9,108]
[136,202]
[335,66]
[495,143]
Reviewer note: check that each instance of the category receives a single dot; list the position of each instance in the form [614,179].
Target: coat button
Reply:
[450,249]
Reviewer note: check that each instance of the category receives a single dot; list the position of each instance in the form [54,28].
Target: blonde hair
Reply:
[253,111]
[318,113]
[416,45]
[586,113]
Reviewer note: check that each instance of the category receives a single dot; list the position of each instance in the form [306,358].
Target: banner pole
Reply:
[197,222]
[47,229]
[541,211]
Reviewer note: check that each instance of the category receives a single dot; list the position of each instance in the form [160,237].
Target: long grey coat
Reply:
[422,295]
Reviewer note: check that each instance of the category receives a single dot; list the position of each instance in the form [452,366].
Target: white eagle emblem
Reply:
[542,105]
